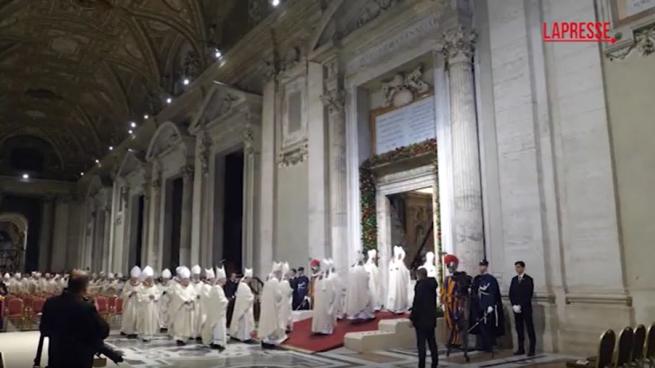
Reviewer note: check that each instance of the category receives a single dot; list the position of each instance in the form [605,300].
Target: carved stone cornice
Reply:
[187,172]
[459,45]
[294,156]
[155,183]
[334,100]
[248,136]
[643,43]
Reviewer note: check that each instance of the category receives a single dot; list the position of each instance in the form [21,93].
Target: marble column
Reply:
[154,248]
[201,250]
[105,239]
[145,233]
[187,213]
[467,193]
[45,235]
[60,235]
[334,101]
[249,169]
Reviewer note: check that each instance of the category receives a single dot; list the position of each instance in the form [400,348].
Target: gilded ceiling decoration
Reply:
[73,73]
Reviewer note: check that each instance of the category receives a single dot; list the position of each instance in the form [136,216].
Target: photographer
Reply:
[75,329]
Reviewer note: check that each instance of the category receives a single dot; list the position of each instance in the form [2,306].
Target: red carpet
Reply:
[303,339]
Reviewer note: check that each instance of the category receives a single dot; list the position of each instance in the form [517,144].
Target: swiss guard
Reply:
[487,309]
[455,298]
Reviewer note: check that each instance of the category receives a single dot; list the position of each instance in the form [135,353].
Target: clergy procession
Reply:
[205,306]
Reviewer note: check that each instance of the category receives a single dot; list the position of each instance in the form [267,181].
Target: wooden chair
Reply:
[37,309]
[16,312]
[102,305]
[649,355]
[638,348]
[625,347]
[606,349]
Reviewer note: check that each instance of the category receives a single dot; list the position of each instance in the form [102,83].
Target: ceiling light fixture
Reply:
[111,148]
[185,81]
[217,53]
[130,131]
[97,161]
[275,2]
[133,124]
[82,173]
[146,116]
[169,100]
[26,176]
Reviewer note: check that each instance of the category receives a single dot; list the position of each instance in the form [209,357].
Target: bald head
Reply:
[78,282]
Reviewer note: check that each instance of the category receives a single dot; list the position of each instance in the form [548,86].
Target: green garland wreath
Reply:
[368,192]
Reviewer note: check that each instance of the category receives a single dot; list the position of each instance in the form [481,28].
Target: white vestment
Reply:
[398,297]
[286,307]
[214,303]
[323,313]
[128,295]
[182,311]
[243,317]
[200,314]
[374,284]
[271,330]
[340,292]
[164,303]
[147,323]
[359,304]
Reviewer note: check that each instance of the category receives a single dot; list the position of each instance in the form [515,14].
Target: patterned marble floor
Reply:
[162,352]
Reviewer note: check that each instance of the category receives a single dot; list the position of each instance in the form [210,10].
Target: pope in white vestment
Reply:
[429,265]
[272,330]
[323,318]
[374,282]
[359,303]
[148,296]
[286,307]
[182,307]
[214,302]
[243,317]
[165,288]
[399,279]
[128,295]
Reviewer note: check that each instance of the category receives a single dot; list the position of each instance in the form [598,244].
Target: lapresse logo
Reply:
[577,32]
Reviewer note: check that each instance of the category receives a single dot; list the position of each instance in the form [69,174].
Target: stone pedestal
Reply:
[468,221]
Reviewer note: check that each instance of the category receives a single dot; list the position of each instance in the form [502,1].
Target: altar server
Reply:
[243,318]
[359,304]
[148,297]
[214,302]
[182,307]
[398,297]
[128,295]
[323,319]
[374,281]
[272,330]
[165,287]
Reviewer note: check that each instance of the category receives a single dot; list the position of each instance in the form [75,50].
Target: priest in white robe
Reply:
[165,288]
[323,313]
[429,265]
[199,314]
[214,302]
[399,279]
[129,297]
[182,307]
[374,281]
[272,330]
[359,303]
[286,290]
[243,317]
[148,296]
[340,291]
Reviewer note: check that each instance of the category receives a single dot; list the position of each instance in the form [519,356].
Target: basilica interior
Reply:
[244,132]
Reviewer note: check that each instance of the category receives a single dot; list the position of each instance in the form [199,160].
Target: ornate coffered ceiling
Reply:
[73,73]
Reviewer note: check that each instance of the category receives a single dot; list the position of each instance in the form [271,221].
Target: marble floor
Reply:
[18,349]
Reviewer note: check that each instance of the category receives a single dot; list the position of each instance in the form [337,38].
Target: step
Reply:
[393,333]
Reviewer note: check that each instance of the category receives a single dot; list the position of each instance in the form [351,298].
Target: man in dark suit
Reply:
[424,316]
[75,329]
[520,295]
